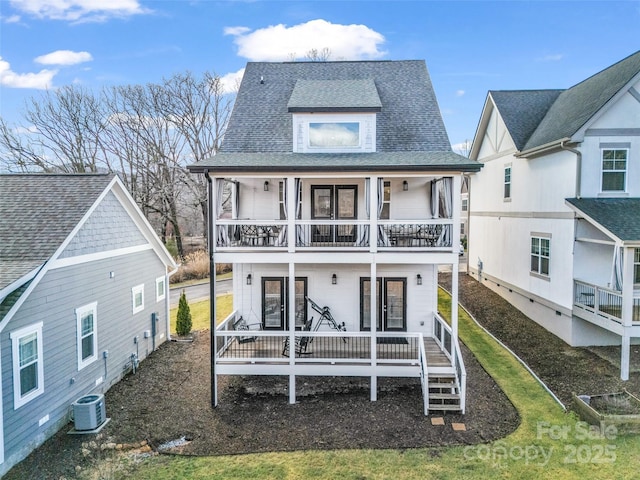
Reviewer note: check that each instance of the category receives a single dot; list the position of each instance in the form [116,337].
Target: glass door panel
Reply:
[365,304]
[346,206]
[322,209]
[273,303]
[394,304]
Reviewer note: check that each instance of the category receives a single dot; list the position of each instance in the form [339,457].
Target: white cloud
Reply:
[460,93]
[231,81]
[40,80]
[11,19]
[279,42]
[79,10]
[64,57]
[551,58]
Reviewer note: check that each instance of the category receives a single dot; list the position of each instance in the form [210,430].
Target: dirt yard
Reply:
[169,399]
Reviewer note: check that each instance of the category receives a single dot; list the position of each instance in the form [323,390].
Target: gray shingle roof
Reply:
[38,212]
[522,110]
[620,216]
[335,96]
[409,118]
[390,161]
[575,106]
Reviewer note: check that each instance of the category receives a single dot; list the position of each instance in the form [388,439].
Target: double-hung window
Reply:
[614,169]
[160,289]
[507,182]
[540,250]
[636,266]
[28,370]
[87,334]
[137,298]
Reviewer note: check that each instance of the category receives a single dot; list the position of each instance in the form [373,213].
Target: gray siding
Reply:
[53,302]
[109,227]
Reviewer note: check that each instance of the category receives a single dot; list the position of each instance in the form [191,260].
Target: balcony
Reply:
[427,235]
[602,306]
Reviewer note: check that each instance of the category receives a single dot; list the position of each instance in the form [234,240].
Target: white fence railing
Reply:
[603,301]
[451,347]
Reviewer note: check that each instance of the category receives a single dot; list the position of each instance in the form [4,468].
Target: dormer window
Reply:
[334,134]
[334,116]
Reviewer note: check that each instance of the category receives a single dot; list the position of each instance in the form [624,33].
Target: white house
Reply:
[342,177]
[555,212]
[83,298]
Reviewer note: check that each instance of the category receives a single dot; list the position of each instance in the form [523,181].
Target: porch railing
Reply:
[252,234]
[443,336]
[603,301]
[424,377]
[260,346]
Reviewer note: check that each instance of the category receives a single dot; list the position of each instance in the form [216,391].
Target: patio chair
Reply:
[241,325]
[301,342]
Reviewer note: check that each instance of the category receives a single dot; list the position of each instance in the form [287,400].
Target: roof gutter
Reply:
[578,166]
[532,152]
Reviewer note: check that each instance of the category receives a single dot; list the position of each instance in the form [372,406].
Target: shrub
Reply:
[183,320]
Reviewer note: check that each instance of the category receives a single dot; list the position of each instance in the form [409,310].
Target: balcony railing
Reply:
[603,302]
[317,234]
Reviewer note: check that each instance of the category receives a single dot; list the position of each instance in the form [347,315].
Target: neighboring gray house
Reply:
[346,195]
[81,274]
[555,212]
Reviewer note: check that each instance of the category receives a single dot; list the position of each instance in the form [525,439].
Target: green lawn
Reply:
[548,443]
[200,312]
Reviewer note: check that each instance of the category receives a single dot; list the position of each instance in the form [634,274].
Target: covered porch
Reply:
[434,358]
[606,262]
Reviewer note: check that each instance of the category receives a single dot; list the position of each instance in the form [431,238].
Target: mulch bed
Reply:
[169,398]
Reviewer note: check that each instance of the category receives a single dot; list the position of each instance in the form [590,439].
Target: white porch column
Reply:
[292,331]
[373,215]
[373,324]
[291,214]
[457,186]
[627,312]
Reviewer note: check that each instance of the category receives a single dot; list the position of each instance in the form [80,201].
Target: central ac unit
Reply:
[89,412]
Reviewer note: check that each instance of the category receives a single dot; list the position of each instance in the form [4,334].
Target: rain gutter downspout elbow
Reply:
[578,154]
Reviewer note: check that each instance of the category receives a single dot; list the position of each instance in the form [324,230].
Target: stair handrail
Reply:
[461,373]
[424,377]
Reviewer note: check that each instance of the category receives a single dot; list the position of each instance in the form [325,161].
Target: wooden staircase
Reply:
[444,390]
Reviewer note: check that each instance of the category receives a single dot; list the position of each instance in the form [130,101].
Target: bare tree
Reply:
[147,134]
[315,55]
[464,148]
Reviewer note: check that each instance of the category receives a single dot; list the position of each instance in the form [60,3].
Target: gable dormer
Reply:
[334,116]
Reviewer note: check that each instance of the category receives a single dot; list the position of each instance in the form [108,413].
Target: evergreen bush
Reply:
[183,321]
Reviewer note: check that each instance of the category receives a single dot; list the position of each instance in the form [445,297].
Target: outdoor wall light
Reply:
[419,279]
[334,279]
[405,185]
[249,279]
[266,185]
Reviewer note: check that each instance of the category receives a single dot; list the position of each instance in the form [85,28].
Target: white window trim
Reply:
[367,131]
[602,170]
[504,182]
[19,400]
[540,236]
[93,308]
[160,280]
[134,291]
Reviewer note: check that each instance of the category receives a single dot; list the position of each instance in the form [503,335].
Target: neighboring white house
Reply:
[343,178]
[555,214]
[83,296]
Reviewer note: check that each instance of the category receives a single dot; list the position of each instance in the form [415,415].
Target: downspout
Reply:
[212,288]
[578,166]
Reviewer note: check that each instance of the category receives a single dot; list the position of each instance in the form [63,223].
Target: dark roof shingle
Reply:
[38,212]
[620,216]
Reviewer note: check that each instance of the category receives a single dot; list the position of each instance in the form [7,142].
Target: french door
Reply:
[391,304]
[334,202]
[275,305]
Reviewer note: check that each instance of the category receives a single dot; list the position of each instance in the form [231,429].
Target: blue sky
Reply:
[469,47]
